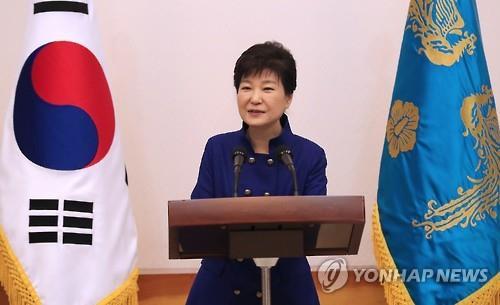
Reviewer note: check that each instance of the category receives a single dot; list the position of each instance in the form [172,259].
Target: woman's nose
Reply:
[256,98]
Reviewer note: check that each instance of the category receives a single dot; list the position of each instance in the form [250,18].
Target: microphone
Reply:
[285,155]
[239,155]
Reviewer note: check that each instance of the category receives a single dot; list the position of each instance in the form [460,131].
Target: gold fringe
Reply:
[489,294]
[126,294]
[20,291]
[396,292]
[15,282]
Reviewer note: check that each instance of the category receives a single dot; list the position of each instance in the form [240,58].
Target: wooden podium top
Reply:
[265,210]
[278,226]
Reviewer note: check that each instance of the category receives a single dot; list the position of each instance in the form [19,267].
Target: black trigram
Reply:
[76,222]
[61,6]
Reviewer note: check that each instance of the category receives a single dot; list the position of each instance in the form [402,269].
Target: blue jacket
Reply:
[228,282]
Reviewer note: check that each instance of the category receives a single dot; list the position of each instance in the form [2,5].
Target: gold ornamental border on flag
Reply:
[20,291]
[126,294]
[396,292]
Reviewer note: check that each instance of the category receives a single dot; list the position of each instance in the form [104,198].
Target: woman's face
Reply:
[262,100]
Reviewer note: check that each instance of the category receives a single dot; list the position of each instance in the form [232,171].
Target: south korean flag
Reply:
[67,233]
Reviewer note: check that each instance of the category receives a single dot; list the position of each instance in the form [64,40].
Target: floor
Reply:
[173,289]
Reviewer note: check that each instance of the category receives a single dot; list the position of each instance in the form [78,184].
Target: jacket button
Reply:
[236,292]
[258,294]
[251,160]
[270,161]
[248,192]
[267,194]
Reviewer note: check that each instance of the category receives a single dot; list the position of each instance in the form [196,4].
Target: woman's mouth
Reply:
[254,111]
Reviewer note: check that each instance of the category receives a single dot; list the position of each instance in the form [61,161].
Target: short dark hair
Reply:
[272,56]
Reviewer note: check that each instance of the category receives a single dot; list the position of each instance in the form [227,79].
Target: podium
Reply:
[265,228]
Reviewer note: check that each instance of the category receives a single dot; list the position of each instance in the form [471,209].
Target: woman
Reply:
[264,78]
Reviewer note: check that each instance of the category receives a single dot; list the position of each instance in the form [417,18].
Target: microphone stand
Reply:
[265,265]
[239,155]
[292,170]
[237,170]
[285,155]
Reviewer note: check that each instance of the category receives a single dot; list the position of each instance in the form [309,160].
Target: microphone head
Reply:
[239,151]
[283,150]
[239,156]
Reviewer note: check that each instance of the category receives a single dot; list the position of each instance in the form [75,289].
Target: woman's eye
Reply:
[245,88]
[268,89]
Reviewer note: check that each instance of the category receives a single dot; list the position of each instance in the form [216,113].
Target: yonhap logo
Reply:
[332,274]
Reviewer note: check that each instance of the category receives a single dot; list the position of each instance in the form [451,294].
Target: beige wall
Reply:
[170,64]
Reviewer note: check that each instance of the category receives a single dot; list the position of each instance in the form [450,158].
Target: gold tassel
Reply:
[15,282]
[20,291]
[126,294]
[396,292]
[489,294]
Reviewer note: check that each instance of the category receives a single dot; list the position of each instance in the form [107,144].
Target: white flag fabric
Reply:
[67,233]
